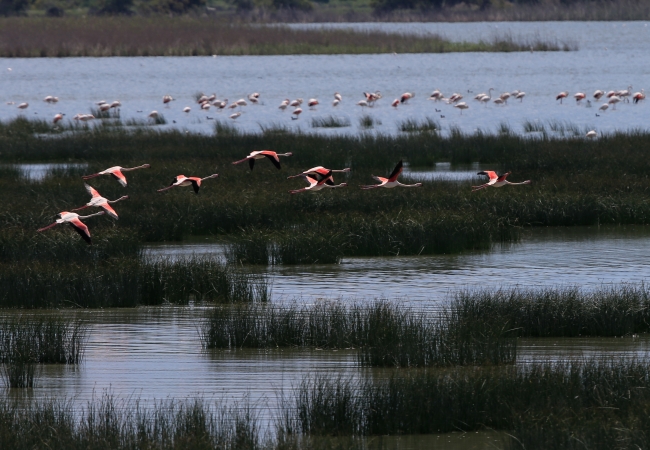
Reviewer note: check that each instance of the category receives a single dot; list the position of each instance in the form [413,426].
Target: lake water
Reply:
[584,257]
[608,58]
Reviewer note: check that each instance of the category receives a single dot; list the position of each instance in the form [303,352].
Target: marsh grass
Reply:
[113,113]
[330,122]
[127,282]
[534,127]
[563,395]
[559,312]
[367,122]
[426,125]
[27,341]
[106,422]
[161,36]
[385,334]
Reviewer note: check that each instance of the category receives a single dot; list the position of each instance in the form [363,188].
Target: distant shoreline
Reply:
[31,37]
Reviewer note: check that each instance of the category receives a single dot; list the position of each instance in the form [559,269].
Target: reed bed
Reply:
[563,312]
[27,341]
[367,122]
[127,282]
[187,36]
[385,334]
[609,393]
[419,126]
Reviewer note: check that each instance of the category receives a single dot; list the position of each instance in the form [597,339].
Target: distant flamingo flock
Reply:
[370,99]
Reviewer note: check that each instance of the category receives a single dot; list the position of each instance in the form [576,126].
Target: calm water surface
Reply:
[585,257]
[608,58]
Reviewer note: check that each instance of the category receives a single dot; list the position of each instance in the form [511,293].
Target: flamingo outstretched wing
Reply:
[109,210]
[119,176]
[81,228]
[274,158]
[396,171]
[92,191]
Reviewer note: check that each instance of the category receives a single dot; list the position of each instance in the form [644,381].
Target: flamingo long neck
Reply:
[515,184]
[91,215]
[408,185]
[124,197]
[214,175]
[126,169]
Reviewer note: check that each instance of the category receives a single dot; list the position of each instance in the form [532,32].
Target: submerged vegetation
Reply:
[164,36]
[385,334]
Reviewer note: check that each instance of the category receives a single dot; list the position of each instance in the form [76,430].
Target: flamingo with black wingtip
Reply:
[75,222]
[496,180]
[182,180]
[101,202]
[261,154]
[391,181]
[320,170]
[326,181]
[116,172]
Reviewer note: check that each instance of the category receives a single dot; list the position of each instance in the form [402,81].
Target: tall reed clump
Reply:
[419,126]
[127,283]
[109,423]
[385,334]
[330,122]
[563,312]
[564,395]
[26,342]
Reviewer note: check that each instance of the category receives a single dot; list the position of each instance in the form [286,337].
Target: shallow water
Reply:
[607,59]
[579,256]
[38,172]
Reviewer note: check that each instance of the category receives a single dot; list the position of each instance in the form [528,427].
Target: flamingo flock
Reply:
[612,97]
[317,178]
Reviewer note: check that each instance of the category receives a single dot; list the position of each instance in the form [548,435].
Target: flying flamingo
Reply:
[116,171]
[391,181]
[182,180]
[101,202]
[320,170]
[327,181]
[495,180]
[261,154]
[561,96]
[74,220]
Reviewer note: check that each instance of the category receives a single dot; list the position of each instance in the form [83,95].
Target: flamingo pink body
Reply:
[391,181]
[74,220]
[116,172]
[326,181]
[496,180]
[261,154]
[320,170]
[101,202]
[182,180]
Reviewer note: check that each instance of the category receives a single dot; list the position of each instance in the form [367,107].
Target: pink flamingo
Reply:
[101,202]
[74,220]
[182,180]
[327,181]
[391,181]
[116,172]
[496,180]
[261,154]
